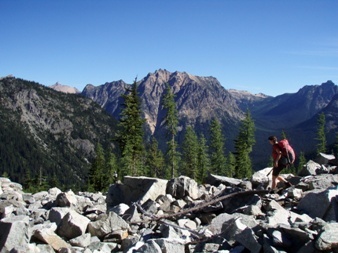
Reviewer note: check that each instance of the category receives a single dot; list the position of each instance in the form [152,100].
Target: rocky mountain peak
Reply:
[64,88]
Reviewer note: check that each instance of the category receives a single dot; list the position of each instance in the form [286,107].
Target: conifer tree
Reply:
[216,149]
[321,137]
[335,146]
[131,133]
[111,169]
[190,154]
[203,160]
[301,161]
[231,165]
[155,160]
[95,175]
[171,123]
[243,146]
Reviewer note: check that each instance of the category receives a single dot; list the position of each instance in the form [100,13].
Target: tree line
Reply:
[195,157]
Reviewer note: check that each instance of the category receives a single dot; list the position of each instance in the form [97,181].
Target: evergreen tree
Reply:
[203,160]
[171,122]
[96,172]
[131,133]
[243,146]
[321,137]
[190,154]
[216,149]
[335,146]
[231,164]
[111,168]
[301,161]
[155,160]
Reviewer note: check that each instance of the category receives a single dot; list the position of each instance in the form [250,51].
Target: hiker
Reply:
[279,162]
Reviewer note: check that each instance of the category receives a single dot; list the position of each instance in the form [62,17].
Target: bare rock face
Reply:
[199,99]
[64,88]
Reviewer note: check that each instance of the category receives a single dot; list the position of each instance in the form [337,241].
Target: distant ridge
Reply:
[64,88]
[199,99]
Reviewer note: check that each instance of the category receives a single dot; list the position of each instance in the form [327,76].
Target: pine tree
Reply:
[131,133]
[190,154]
[216,149]
[111,169]
[155,160]
[203,160]
[301,161]
[243,146]
[231,164]
[321,137]
[96,172]
[171,122]
[335,146]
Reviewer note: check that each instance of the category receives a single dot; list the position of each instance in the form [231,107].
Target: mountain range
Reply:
[64,128]
[200,99]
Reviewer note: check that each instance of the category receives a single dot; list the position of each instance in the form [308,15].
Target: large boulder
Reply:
[66,199]
[322,208]
[72,225]
[183,186]
[135,189]
[107,224]
[51,238]
[13,231]
[235,231]
[261,177]
[217,180]
[328,238]
[310,168]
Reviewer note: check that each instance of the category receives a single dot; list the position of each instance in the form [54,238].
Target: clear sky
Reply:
[270,47]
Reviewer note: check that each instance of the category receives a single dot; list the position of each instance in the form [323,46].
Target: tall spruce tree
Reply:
[216,149]
[301,161]
[203,159]
[96,172]
[243,147]
[171,123]
[131,133]
[155,160]
[111,168]
[189,162]
[335,146]
[321,137]
[231,165]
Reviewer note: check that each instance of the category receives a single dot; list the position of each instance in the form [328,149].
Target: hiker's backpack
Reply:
[287,150]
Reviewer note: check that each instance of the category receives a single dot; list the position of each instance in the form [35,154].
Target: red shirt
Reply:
[275,151]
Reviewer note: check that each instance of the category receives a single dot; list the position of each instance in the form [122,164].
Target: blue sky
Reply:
[270,47]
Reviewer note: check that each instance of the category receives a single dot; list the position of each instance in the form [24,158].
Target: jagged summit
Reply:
[64,88]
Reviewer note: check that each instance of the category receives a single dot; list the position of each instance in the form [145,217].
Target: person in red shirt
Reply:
[279,163]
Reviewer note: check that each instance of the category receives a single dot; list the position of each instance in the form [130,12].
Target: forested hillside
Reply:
[47,137]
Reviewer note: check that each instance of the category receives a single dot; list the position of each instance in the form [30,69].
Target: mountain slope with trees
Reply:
[176,121]
[48,137]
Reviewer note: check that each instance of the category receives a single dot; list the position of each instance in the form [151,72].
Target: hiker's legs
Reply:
[276,176]
[275,180]
[280,178]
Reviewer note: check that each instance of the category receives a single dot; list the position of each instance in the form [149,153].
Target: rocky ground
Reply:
[153,215]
